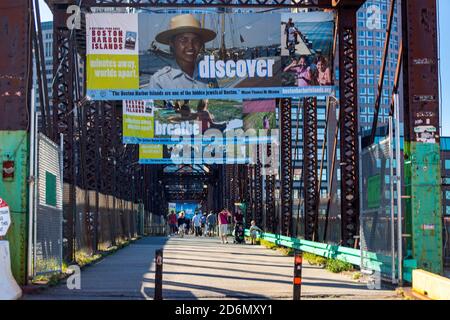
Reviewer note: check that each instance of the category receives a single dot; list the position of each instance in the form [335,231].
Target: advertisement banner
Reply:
[198,121]
[187,121]
[138,120]
[188,208]
[212,55]
[172,207]
[194,154]
[112,51]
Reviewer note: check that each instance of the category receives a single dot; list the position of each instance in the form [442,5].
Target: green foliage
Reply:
[83,258]
[268,244]
[357,276]
[314,260]
[272,246]
[337,266]
[49,279]
[287,251]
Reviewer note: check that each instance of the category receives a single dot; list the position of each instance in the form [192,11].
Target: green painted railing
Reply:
[373,261]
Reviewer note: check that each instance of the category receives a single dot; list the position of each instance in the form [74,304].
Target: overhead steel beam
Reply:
[326,4]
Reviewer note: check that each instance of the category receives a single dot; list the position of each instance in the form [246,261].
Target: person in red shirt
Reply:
[172,222]
[223,224]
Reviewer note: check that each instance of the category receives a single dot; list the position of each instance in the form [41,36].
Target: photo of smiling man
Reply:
[186,39]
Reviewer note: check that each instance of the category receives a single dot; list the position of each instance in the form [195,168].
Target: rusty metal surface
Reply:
[15,65]
[421,89]
[63,119]
[258,183]
[270,215]
[310,168]
[286,179]
[205,3]
[348,124]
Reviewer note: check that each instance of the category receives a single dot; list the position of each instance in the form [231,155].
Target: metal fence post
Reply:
[298,262]
[158,274]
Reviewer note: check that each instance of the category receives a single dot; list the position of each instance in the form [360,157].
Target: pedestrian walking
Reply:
[181,224]
[223,224]
[197,222]
[211,222]
[172,219]
[203,222]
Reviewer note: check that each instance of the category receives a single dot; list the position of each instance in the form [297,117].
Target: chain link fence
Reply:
[47,239]
[377,218]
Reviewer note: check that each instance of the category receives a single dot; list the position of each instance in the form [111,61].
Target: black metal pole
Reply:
[298,262]
[158,274]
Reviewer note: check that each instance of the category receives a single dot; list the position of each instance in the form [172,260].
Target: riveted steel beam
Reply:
[348,87]
[310,182]
[286,166]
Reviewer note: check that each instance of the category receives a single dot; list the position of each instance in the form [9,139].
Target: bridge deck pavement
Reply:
[203,268]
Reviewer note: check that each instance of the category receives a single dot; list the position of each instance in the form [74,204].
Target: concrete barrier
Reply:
[431,285]
[9,290]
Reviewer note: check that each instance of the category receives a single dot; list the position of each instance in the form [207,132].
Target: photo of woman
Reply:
[302,71]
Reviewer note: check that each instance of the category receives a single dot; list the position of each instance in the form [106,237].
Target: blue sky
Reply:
[444,13]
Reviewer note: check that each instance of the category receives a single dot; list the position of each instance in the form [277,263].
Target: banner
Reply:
[198,121]
[212,55]
[307,48]
[112,51]
[138,120]
[188,208]
[172,207]
[194,154]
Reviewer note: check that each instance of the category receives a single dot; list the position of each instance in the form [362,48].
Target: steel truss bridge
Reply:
[95,158]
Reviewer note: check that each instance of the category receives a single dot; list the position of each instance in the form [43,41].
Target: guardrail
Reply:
[375,262]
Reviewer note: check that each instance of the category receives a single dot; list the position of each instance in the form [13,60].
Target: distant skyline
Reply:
[444,24]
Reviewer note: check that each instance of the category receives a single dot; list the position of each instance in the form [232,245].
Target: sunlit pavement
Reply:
[204,268]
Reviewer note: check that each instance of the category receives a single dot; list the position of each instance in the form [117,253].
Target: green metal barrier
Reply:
[14,146]
[374,261]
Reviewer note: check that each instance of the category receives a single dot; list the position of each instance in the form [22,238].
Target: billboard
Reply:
[211,55]
[188,208]
[219,153]
[307,48]
[112,51]
[182,121]
[138,120]
[198,121]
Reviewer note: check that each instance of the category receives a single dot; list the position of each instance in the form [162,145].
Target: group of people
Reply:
[200,224]
[206,225]
[315,73]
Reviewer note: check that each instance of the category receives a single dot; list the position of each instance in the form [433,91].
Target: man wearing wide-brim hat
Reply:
[186,38]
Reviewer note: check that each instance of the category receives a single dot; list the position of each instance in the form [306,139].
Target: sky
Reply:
[444,13]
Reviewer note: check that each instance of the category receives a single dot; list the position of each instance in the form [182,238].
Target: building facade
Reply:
[372,20]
